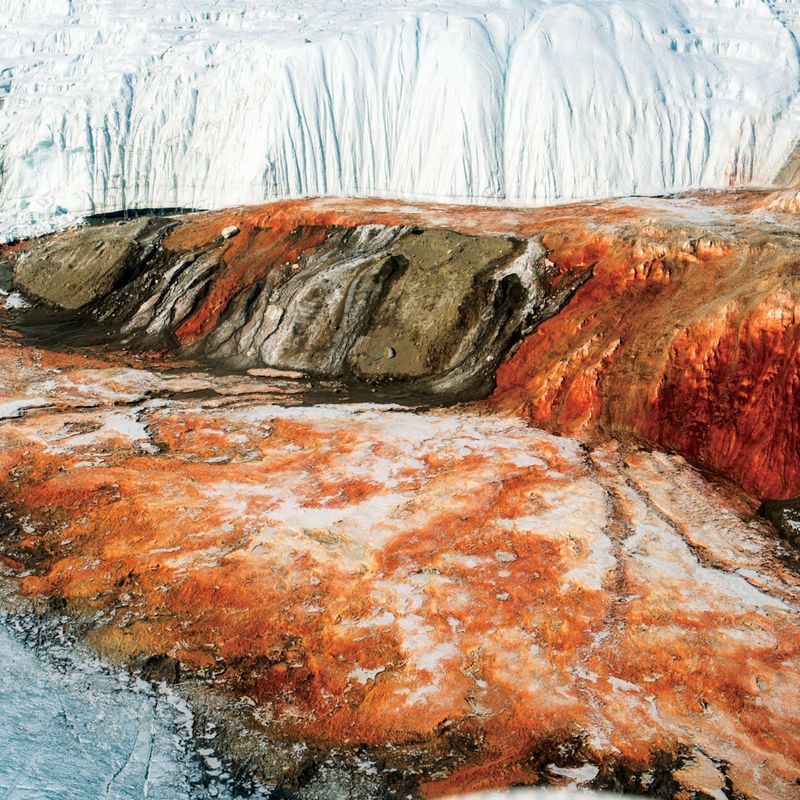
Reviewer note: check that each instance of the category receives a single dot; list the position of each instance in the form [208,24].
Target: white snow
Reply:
[12,409]
[110,426]
[363,675]
[12,300]
[580,775]
[107,104]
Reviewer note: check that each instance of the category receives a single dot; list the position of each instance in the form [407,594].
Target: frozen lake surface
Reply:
[73,729]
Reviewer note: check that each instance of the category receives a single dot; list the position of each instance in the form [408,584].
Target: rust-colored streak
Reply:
[253,255]
[732,385]
[691,344]
[200,230]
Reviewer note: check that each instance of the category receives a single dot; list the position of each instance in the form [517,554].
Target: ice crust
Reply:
[75,729]
[108,104]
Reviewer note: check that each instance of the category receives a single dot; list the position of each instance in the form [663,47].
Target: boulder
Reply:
[72,270]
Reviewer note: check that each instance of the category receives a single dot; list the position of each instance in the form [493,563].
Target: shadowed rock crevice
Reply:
[785,516]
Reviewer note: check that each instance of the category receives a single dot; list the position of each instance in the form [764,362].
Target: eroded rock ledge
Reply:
[434,310]
[453,599]
[675,320]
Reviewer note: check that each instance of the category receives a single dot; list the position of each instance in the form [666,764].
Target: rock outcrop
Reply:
[442,600]
[675,321]
[690,342]
[432,309]
[76,269]
[452,600]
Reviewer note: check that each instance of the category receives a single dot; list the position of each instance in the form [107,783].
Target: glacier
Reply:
[108,104]
[74,728]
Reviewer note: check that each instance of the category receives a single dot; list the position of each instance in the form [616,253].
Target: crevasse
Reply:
[108,104]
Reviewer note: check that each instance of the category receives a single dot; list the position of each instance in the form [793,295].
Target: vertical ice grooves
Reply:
[106,104]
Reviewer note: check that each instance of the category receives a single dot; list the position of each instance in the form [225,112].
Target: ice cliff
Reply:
[107,104]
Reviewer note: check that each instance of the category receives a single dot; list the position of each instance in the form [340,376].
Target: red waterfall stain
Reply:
[690,344]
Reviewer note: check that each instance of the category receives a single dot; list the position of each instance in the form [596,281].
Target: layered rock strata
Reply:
[675,321]
[432,308]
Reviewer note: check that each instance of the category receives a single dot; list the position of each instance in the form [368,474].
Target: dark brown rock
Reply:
[74,269]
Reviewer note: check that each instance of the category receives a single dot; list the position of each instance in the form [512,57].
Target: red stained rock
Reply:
[694,345]
[249,257]
[375,576]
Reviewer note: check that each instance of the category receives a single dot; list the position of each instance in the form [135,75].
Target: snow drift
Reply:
[108,104]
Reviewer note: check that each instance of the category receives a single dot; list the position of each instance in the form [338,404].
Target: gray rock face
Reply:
[74,269]
[431,310]
[785,516]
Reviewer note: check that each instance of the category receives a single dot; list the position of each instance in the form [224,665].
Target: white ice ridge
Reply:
[106,104]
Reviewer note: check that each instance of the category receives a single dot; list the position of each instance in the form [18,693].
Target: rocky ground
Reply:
[424,597]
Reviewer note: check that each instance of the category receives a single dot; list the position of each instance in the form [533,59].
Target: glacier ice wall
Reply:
[106,104]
